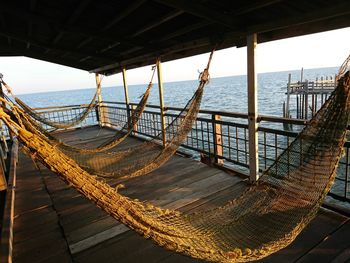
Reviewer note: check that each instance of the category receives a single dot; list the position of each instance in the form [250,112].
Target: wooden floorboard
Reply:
[38,236]
[48,211]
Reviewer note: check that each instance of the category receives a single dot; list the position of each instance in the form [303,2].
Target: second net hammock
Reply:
[264,219]
[118,136]
[81,116]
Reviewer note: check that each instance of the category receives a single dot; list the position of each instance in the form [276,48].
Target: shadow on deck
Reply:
[53,223]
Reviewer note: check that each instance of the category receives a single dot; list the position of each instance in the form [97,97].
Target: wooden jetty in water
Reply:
[309,95]
[46,220]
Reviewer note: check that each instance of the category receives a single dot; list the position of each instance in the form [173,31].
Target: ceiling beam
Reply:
[32,5]
[72,18]
[37,43]
[127,11]
[254,6]
[181,31]
[20,13]
[158,21]
[197,9]
[301,19]
[118,17]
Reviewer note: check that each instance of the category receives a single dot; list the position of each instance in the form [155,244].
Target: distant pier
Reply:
[309,96]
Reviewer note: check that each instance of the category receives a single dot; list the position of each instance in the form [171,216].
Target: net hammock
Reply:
[264,219]
[119,136]
[81,116]
[138,160]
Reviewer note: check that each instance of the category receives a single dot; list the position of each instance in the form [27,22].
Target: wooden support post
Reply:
[252,109]
[126,94]
[161,101]
[297,99]
[306,99]
[134,128]
[217,133]
[288,95]
[101,117]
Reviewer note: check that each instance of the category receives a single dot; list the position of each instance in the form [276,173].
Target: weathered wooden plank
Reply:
[330,247]
[320,228]
[95,227]
[36,223]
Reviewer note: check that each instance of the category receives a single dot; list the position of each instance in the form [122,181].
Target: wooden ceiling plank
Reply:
[127,11]
[201,11]
[253,7]
[144,29]
[182,31]
[72,18]
[158,22]
[300,19]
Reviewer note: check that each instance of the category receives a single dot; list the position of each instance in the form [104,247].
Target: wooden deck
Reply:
[53,223]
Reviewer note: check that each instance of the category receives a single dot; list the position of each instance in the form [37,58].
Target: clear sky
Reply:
[326,49]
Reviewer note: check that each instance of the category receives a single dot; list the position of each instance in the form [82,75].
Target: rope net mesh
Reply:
[62,124]
[265,218]
[108,161]
[119,136]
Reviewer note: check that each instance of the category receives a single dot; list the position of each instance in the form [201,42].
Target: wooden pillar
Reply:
[134,128]
[306,99]
[101,117]
[252,109]
[126,94]
[161,101]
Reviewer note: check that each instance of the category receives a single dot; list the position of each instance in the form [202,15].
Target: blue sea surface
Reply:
[225,93]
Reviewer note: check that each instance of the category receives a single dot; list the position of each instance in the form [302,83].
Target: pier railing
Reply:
[217,138]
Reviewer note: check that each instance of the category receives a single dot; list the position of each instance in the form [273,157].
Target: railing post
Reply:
[126,94]
[252,109]
[217,133]
[134,128]
[161,101]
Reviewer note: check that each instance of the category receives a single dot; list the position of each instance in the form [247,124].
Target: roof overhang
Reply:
[105,36]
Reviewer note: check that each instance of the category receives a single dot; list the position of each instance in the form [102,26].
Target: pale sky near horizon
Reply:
[327,49]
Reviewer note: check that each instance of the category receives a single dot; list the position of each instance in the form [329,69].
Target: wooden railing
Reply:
[218,137]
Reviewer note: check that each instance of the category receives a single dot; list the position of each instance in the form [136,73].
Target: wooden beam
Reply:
[72,18]
[325,13]
[32,6]
[181,31]
[158,22]
[252,109]
[254,6]
[161,101]
[201,11]
[16,11]
[127,11]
